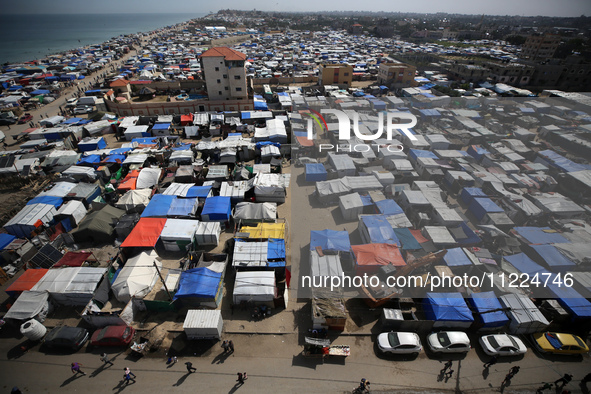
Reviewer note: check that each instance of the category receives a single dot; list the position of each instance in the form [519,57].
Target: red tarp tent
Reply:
[73,259]
[128,183]
[369,257]
[145,234]
[418,236]
[26,281]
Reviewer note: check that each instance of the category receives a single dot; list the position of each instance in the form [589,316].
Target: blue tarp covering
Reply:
[260,104]
[181,207]
[161,126]
[39,91]
[429,112]
[158,206]
[330,240]
[380,230]
[276,251]
[407,240]
[468,194]
[366,200]
[456,257]
[485,302]
[198,191]
[447,306]
[72,121]
[540,235]
[553,258]
[413,154]
[315,172]
[389,207]
[120,151]
[198,282]
[476,151]
[5,239]
[92,145]
[146,140]
[90,159]
[114,159]
[470,236]
[482,205]
[562,162]
[524,264]
[216,208]
[49,200]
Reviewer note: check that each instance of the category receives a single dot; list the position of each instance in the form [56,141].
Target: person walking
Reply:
[128,375]
[105,359]
[564,380]
[225,346]
[75,367]
[541,389]
[190,367]
[231,346]
[491,362]
[447,366]
[240,379]
[514,370]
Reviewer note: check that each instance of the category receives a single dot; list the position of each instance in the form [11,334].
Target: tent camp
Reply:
[201,286]
[137,277]
[216,209]
[71,285]
[447,310]
[145,234]
[134,200]
[26,281]
[255,211]
[29,305]
[255,286]
[178,234]
[488,310]
[29,219]
[98,226]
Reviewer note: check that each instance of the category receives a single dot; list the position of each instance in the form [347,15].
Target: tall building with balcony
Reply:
[225,74]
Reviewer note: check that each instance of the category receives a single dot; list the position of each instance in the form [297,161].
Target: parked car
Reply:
[7,121]
[449,342]
[85,109]
[25,118]
[112,336]
[559,343]
[66,337]
[71,103]
[502,345]
[399,342]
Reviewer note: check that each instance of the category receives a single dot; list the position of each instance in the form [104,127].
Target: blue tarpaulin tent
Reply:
[555,260]
[181,207]
[39,92]
[5,240]
[90,159]
[408,241]
[276,252]
[93,144]
[540,235]
[146,140]
[464,235]
[482,205]
[483,304]
[469,193]
[379,230]
[216,209]
[198,191]
[413,154]
[161,126]
[50,200]
[198,282]
[330,240]
[389,207]
[448,309]
[456,257]
[315,172]
[524,264]
[158,206]
[476,151]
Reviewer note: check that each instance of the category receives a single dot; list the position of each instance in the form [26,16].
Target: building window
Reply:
[225,76]
[225,88]
[219,92]
[346,74]
[239,89]
[219,81]
[236,76]
[217,69]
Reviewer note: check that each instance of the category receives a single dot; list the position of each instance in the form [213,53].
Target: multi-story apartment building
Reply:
[335,74]
[396,75]
[225,74]
[540,47]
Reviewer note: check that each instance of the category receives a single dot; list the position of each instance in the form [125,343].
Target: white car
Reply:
[399,342]
[83,110]
[502,345]
[449,342]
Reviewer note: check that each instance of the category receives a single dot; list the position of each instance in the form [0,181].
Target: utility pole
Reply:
[163,282]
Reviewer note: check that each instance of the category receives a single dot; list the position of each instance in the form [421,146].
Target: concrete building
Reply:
[396,75]
[356,29]
[335,74]
[225,74]
[514,74]
[540,47]
[468,72]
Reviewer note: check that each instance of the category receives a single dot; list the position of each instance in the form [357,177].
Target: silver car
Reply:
[502,345]
[399,343]
[449,342]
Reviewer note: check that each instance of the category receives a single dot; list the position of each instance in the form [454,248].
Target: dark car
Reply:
[113,336]
[7,121]
[66,338]
[25,118]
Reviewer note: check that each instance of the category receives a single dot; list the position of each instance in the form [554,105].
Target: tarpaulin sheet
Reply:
[484,303]
[524,264]
[114,159]
[73,259]
[276,250]
[330,240]
[5,240]
[148,177]
[377,254]
[447,306]
[265,230]
[315,172]
[198,282]
[145,234]
[456,257]
[379,230]
[540,235]
[50,200]
[26,281]
[482,205]
[468,194]
[552,256]
[216,208]
[90,159]
[407,240]
[158,206]
[464,235]
[389,207]
[181,207]
[416,153]
[419,236]
[129,182]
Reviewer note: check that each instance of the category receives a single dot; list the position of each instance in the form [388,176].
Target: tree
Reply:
[515,40]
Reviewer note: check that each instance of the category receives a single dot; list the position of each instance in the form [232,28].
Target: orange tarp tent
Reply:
[145,234]
[26,281]
[128,183]
[369,257]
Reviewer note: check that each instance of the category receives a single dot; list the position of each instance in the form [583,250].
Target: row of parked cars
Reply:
[493,345]
[73,338]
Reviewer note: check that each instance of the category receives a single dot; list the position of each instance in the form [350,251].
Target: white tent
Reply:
[351,206]
[74,209]
[137,277]
[71,285]
[134,200]
[259,211]
[148,177]
[256,286]
[177,234]
[271,187]
[26,221]
[30,304]
[326,265]
[525,317]
[208,233]
[136,132]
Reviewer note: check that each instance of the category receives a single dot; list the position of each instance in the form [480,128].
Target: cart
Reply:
[321,348]
[141,347]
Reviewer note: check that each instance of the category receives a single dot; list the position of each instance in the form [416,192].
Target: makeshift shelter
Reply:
[129,182]
[148,177]
[265,230]
[25,282]
[178,234]
[327,265]
[330,240]
[73,259]
[448,310]
[455,257]
[553,259]
[480,206]
[315,172]
[203,324]
[188,190]
[271,187]
[377,229]
[369,257]
[524,316]
[388,207]
[182,208]
[270,253]
[351,206]
[201,286]
[29,305]
[208,233]
[255,286]
[72,210]
[98,226]
[255,211]
[134,200]
[540,235]
[329,191]
[158,206]
[145,234]
[217,209]
[488,310]
[71,285]
[90,144]
[137,277]
[85,192]
[30,218]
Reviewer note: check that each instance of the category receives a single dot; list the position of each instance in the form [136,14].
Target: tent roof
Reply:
[158,206]
[447,306]
[377,254]
[486,302]
[330,240]
[27,280]
[198,282]
[145,234]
